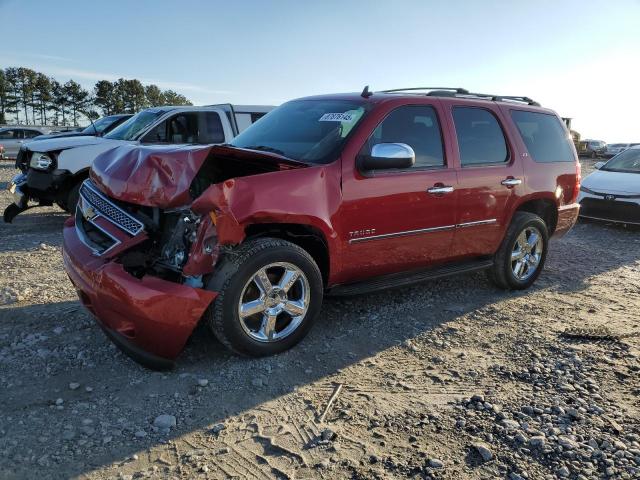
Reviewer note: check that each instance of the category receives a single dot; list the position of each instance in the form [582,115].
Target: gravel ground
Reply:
[449,379]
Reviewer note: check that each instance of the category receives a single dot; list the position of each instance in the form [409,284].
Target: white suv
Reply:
[53,169]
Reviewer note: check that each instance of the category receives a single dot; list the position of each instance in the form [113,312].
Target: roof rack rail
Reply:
[447,89]
[464,93]
[527,100]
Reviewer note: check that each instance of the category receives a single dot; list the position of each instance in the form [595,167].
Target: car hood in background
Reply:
[62,143]
[61,135]
[615,182]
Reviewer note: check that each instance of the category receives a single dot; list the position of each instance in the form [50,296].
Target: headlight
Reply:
[40,161]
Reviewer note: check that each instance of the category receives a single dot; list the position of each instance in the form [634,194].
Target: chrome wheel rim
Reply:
[526,253]
[274,302]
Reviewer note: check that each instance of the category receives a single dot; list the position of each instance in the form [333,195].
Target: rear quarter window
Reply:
[544,136]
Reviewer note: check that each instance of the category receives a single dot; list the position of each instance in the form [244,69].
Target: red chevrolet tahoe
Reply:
[326,195]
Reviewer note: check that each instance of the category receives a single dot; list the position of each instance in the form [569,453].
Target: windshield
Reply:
[617,145]
[311,131]
[627,161]
[139,122]
[100,125]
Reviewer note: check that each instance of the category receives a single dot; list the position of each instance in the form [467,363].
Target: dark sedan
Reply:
[100,127]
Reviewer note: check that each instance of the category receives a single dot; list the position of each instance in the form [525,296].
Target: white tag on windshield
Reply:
[337,117]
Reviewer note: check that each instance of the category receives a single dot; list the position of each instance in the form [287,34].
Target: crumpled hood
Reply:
[153,175]
[62,143]
[603,181]
[161,175]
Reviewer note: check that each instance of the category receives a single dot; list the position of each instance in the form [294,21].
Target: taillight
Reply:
[576,189]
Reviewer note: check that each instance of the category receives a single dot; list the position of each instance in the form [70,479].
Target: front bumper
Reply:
[20,198]
[47,185]
[150,319]
[611,207]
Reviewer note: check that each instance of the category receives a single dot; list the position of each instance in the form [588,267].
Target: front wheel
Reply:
[269,295]
[520,259]
[70,203]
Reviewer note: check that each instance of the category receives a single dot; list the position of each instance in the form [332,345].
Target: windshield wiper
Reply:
[265,148]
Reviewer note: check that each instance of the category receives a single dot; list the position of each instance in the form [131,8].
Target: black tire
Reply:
[501,274]
[70,203]
[232,274]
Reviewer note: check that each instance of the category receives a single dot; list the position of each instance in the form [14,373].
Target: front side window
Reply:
[480,138]
[416,126]
[189,127]
[311,131]
[545,138]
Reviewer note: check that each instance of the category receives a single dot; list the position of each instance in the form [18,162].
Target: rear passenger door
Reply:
[490,177]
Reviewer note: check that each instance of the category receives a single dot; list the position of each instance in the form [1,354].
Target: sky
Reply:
[579,58]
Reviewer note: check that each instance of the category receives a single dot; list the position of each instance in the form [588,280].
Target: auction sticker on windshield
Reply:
[337,117]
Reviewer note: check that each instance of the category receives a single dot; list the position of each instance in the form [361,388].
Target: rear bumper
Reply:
[567,218]
[149,319]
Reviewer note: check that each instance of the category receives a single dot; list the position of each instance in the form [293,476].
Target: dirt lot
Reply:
[450,379]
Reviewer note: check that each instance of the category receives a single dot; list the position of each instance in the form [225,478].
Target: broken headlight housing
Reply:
[40,161]
[182,226]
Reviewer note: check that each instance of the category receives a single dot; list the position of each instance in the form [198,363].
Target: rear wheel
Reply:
[521,257]
[270,293]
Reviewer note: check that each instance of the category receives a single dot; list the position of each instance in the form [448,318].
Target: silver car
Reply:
[12,138]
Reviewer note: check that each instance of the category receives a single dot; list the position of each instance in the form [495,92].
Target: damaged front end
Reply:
[136,242]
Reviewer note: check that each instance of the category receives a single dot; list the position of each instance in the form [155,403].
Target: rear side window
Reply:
[544,136]
[418,127]
[8,135]
[480,138]
[31,133]
[210,128]
[256,116]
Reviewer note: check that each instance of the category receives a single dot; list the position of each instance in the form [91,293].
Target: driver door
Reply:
[398,220]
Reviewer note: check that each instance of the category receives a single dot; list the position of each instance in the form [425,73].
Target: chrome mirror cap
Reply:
[389,156]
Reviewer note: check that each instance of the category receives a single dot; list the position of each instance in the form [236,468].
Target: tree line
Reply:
[33,98]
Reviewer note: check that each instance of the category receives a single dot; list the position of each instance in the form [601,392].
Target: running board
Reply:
[407,278]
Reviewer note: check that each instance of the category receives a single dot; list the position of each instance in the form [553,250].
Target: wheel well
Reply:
[545,209]
[309,238]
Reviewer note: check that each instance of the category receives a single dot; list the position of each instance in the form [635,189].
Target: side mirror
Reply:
[388,156]
[599,165]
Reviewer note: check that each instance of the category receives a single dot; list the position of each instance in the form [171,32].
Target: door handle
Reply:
[439,190]
[511,182]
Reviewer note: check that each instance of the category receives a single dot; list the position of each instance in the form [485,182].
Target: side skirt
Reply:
[407,278]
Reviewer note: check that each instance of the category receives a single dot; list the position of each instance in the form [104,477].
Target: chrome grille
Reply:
[107,209]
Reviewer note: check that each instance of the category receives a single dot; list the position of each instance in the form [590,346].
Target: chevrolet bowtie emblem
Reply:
[89,213]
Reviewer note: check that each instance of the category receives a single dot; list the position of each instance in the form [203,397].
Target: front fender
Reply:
[81,157]
[308,196]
